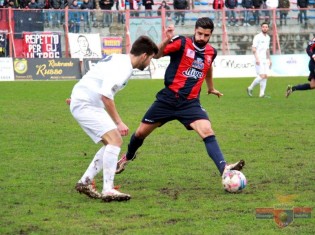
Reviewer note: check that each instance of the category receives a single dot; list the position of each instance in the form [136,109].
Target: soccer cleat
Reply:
[88,189]
[288,91]
[236,166]
[114,195]
[122,163]
[68,101]
[249,92]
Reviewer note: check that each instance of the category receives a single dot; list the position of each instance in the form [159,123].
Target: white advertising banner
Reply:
[290,65]
[6,69]
[239,66]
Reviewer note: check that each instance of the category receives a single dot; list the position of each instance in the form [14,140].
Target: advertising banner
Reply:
[236,66]
[111,45]
[47,69]
[150,27]
[6,69]
[42,45]
[85,45]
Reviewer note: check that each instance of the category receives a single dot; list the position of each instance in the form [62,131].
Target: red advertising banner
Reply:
[111,45]
[42,45]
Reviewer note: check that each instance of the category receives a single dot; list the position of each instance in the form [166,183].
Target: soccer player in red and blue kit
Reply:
[191,61]
[310,50]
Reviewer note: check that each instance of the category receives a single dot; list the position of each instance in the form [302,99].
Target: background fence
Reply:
[288,36]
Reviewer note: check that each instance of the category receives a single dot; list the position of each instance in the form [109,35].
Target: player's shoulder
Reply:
[177,37]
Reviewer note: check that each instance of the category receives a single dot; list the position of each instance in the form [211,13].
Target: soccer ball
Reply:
[233,181]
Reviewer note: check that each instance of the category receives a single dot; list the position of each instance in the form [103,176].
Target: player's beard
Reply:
[200,43]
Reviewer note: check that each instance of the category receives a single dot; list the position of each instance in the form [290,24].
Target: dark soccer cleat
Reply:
[88,189]
[288,91]
[122,163]
[235,166]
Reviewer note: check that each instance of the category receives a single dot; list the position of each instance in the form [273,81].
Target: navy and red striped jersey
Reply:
[188,66]
[310,49]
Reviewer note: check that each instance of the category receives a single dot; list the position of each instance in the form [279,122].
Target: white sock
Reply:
[263,85]
[94,168]
[256,81]
[110,159]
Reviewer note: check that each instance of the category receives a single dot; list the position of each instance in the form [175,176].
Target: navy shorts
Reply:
[168,107]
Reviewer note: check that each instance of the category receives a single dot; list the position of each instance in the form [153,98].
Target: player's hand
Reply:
[215,92]
[123,129]
[169,31]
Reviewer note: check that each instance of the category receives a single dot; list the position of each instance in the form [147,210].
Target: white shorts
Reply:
[263,68]
[95,121]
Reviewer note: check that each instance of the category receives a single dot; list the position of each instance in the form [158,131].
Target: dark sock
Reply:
[214,152]
[133,146]
[301,87]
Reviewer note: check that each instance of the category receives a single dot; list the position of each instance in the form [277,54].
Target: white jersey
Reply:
[261,42]
[106,78]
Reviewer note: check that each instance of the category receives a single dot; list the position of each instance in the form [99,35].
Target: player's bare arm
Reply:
[169,34]
[113,113]
[209,81]
[254,50]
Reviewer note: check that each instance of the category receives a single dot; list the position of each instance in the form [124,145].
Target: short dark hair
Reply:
[144,44]
[266,23]
[205,23]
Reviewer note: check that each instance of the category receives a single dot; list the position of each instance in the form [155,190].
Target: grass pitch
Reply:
[175,186]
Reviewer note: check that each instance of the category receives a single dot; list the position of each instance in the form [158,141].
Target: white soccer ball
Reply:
[233,181]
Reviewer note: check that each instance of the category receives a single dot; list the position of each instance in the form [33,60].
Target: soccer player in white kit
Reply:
[92,105]
[261,52]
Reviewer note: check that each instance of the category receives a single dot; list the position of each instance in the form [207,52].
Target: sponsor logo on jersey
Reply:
[193,73]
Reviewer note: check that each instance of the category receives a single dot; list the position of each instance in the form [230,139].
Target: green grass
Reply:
[175,186]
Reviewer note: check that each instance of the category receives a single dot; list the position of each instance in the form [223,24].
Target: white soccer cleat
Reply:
[249,92]
[114,195]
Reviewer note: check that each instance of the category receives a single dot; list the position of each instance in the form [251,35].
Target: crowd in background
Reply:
[83,12]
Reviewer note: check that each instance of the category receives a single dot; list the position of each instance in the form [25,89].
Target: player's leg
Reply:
[113,140]
[150,121]
[204,129]
[85,184]
[135,143]
[305,86]
[255,82]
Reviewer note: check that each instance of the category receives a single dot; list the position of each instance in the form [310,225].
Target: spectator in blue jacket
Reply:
[231,5]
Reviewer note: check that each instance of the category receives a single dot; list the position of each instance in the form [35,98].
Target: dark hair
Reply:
[205,23]
[144,44]
[264,23]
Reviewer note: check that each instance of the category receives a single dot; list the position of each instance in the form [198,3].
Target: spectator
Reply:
[33,5]
[57,16]
[302,5]
[107,14]
[74,17]
[166,7]
[231,5]
[266,11]
[120,5]
[134,6]
[87,6]
[10,4]
[247,5]
[256,14]
[148,7]
[272,5]
[284,6]
[179,7]
[218,6]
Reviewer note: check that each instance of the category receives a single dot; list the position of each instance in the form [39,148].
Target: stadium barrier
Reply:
[231,66]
